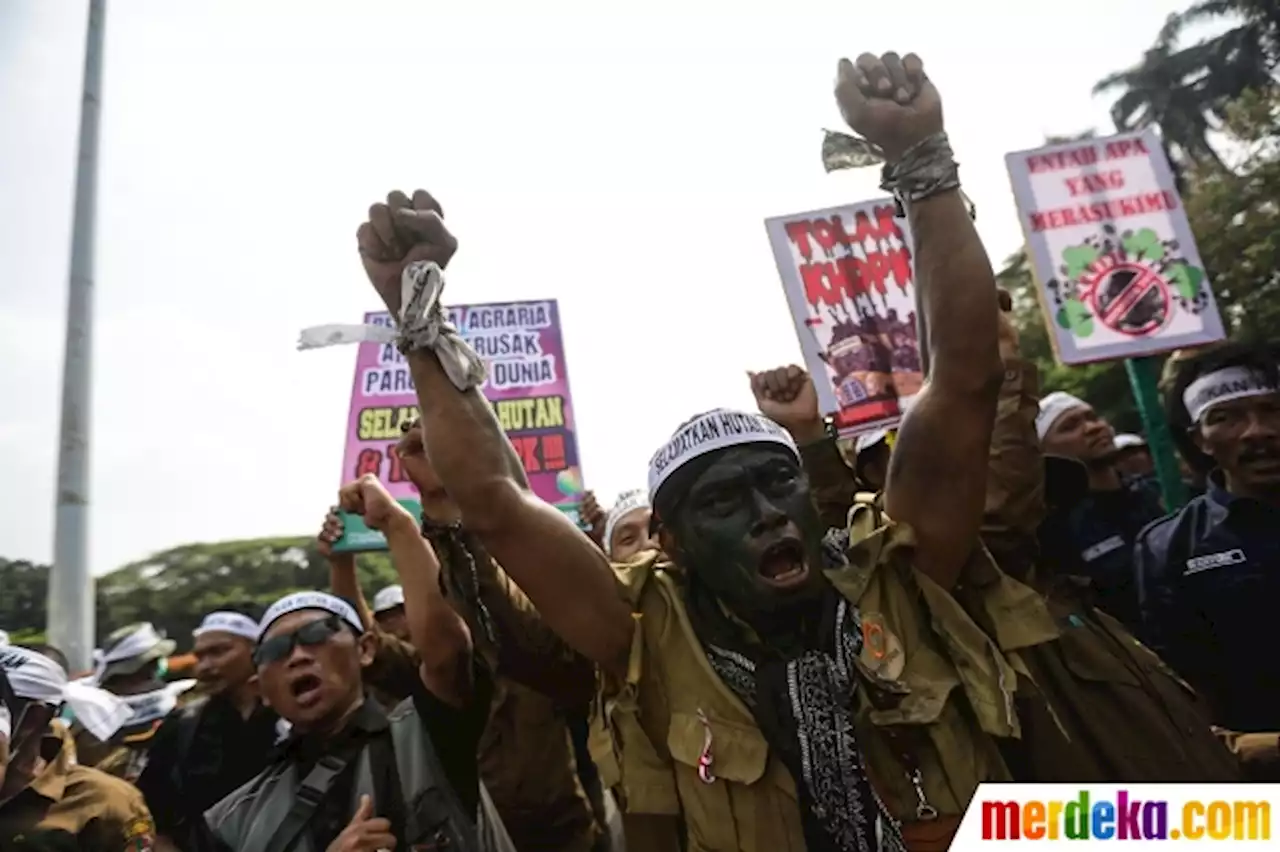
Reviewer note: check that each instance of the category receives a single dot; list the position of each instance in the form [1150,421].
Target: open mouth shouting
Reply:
[307,690]
[784,564]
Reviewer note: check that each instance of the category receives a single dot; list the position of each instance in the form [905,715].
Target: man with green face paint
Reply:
[889,696]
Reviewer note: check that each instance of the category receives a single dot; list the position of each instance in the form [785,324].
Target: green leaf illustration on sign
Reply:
[1144,245]
[1075,317]
[1079,258]
[1186,279]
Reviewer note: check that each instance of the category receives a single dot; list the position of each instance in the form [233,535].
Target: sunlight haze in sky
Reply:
[618,157]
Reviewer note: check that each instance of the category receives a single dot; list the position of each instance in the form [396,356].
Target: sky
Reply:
[618,157]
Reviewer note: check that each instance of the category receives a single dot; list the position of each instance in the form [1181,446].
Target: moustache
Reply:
[1259,452]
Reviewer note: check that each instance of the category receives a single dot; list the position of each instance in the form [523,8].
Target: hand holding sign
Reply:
[368,498]
[889,100]
[400,232]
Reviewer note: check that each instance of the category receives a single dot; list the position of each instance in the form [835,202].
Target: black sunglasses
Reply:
[312,633]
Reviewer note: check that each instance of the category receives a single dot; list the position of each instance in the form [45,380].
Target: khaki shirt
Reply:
[93,811]
[392,675]
[915,724]
[123,760]
[1121,713]
[527,763]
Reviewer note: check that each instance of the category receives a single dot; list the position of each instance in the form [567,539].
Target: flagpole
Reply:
[70,613]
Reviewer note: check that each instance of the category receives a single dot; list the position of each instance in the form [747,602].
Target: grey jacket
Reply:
[246,819]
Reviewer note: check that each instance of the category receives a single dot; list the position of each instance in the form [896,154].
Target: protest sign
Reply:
[521,345]
[1116,267]
[848,278]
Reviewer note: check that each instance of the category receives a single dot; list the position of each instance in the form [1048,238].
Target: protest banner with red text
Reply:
[849,281]
[1116,266]
[523,351]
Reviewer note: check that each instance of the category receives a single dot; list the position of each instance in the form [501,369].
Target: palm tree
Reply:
[1184,91]
[1251,49]
[1170,90]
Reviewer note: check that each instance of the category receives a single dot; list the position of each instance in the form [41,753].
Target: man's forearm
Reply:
[463,439]
[439,633]
[956,289]
[345,584]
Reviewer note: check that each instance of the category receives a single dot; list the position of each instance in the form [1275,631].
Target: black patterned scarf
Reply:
[803,705]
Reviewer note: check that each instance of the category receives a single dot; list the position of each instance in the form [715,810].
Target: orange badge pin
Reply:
[882,653]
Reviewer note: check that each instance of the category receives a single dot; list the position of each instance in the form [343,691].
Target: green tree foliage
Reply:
[1185,91]
[1236,218]
[176,588]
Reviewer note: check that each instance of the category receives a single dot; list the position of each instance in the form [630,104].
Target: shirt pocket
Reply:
[631,761]
[726,814]
[1090,657]
[915,757]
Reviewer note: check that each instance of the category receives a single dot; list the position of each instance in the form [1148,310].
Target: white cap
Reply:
[1127,441]
[228,622]
[1054,406]
[714,430]
[309,600]
[1223,386]
[388,598]
[628,502]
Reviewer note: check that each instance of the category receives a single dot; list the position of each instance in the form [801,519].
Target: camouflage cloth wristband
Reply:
[926,169]
[422,325]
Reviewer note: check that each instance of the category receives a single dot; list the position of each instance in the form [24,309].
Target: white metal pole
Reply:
[71,599]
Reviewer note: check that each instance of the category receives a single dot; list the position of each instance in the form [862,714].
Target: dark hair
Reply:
[52,653]
[1263,359]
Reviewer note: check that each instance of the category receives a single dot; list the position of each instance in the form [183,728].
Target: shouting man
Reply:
[697,654]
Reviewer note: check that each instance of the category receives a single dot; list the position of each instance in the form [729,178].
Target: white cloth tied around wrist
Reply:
[422,324]
[1223,386]
[36,677]
[310,600]
[228,622]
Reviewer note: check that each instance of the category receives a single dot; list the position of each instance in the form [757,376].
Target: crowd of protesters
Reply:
[781,643]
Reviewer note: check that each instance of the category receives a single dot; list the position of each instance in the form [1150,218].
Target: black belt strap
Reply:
[311,793]
[388,794]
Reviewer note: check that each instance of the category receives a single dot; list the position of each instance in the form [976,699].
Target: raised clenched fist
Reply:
[786,396]
[889,101]
[399,232]
[332,530]
[368,498]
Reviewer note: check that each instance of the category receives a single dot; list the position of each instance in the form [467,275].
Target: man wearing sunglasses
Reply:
[352,778]
[47,800]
